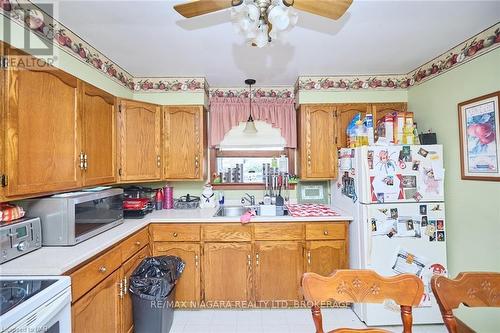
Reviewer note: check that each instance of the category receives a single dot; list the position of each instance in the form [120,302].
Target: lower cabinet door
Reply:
[323,257]
[187,290]
[128,268]
[227,272]
[278,271]
[100,309]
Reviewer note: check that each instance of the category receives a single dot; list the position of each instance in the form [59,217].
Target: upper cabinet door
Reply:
[379,110]
[139,140]
[184,142]
[318,151]
[99,136]
[43,133]
[345,113]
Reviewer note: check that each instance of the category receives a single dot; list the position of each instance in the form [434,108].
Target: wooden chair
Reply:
[362,286]
[473,289]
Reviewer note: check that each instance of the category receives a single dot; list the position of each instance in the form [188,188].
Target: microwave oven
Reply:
[70,218]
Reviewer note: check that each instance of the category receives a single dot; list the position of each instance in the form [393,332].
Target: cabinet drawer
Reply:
[225,232]
[319,230]
[279,231]
[131,245]
[85,278]
[175,232]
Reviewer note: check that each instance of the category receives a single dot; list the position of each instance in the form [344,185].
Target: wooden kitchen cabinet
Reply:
[139,141]
[43,132]
[323,257]
[101,301]
[278,270]
[127,269]
[99,136]
[184,142]
[317,147]
[187,290]
[345,113]
[227,271]
[100,309]
[379,110]
[256,262]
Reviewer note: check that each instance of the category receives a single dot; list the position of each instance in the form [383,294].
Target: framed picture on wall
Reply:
[479,127]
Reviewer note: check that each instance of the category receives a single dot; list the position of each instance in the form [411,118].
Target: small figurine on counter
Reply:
[207,197]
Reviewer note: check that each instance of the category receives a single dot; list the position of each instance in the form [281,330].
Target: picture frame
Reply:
[479,130]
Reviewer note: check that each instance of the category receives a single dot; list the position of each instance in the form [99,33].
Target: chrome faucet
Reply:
[249,198]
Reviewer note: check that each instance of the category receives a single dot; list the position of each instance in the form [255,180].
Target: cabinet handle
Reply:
[102,269]
[82,165]
[174,234]
[120,287]
[257,259]
[137,243]
[158,161]
[196,261]
[125,289]
[309,257]
[325,232]
[85,162]
[249,261]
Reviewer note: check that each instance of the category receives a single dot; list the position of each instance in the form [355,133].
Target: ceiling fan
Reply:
[262,21]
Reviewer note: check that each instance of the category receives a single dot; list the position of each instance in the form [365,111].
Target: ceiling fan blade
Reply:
[333,9]
[201,7]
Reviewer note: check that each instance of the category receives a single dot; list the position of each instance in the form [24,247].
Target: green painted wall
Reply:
[310,97]
[472,207]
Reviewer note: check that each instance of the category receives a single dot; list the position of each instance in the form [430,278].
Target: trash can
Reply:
[152,285]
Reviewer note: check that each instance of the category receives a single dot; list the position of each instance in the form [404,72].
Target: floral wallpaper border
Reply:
[65,39]
[279,92]
[481,43]
[171,84]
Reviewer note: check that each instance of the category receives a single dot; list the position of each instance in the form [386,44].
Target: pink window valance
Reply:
[227,112]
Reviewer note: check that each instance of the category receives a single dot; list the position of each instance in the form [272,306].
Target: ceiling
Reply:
[150,39]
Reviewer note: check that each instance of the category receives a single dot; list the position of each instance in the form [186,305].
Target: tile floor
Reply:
[272,321]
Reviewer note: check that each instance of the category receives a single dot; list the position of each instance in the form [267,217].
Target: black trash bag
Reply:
[155,277]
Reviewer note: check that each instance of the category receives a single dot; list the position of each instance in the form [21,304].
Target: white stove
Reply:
[35,304]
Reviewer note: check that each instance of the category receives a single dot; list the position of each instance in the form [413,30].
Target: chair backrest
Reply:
[473,289]
[362,286]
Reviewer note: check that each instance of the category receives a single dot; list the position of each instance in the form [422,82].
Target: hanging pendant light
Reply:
[250,125]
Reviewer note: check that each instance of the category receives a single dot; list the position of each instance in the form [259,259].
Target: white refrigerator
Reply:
[395,194]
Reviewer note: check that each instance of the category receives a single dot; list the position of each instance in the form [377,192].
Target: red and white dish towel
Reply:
[306,210]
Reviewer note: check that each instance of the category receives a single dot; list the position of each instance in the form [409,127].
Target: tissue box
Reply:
[267,210]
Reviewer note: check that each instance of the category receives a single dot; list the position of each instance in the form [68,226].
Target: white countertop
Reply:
[58,260]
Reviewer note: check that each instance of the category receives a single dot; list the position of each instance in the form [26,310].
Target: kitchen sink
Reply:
[232,211]
[236,211]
